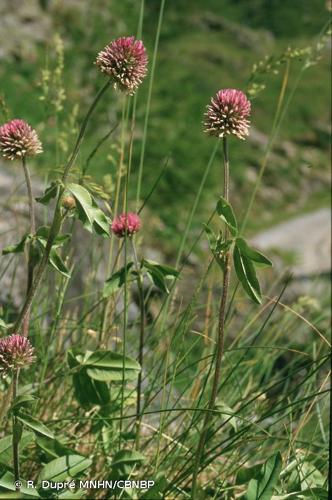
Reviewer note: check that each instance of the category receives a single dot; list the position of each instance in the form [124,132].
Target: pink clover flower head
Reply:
[18,139]
[126,224]
[15,352]
[125,61]
[227,114]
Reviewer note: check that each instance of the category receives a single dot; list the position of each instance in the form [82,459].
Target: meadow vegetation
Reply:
[121,362]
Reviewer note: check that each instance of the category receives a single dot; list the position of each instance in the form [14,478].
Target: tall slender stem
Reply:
[108,303]
[25,329]
[141,342]
[218,355]
[56,223]
[148,102]
[16,437]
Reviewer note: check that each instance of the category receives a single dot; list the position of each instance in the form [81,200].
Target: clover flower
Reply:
[18,139]
[126,224]
[228,114]
[124,60]
[15,352]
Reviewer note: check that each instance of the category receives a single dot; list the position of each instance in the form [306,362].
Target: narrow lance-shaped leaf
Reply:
[88,211]
[58,264]
[225,212]
[50,193]
[258,258]
[101,223]
[262,488]
[246,274]
[54,258]
[159,274]
[212,238]
[34,424]
[64,467]
[18,247]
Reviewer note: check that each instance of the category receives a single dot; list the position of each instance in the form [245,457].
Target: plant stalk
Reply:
[141,343]
[220,340]
[25,329]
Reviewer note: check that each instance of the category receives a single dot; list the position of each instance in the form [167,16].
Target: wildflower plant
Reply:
[18,140]
[227,115]
[125,61]
[139,384]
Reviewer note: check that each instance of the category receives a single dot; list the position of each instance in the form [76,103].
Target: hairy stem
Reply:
[16,438]
[56,223]
[220,340]
[25,329]
[141,343]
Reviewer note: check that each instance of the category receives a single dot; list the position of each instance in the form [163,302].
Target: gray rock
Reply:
[307,237]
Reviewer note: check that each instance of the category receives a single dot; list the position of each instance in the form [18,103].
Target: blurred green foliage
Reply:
[203,47]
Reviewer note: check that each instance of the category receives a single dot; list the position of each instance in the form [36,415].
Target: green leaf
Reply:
[212,238]
[253,254]
[4,325]
[111,375]
[23,400]
[64,467]
[7,482]
[34,424]
[167,271]
[127,457]
[6,446]
[101,223]
[246,274]
[18,247]
[42,235]
[108,366]
[109,359]
[83,199]
[117,280]
[89,213]
[52,447]
[58,264]
[49,193]
[159,274]
[227,414]
[89,391]
[226,214]
[262,488]
[245,474]
[157,490]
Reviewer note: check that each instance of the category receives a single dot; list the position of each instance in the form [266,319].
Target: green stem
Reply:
[83,129]
[57,219]
[141,343]
[148,103]
[32,229]
[220,340]
[108,302]
[16,439]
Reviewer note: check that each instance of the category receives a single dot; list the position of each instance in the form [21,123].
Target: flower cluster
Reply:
[15,352]
[18,139]
[125,61]
[126,224]
[227,114]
